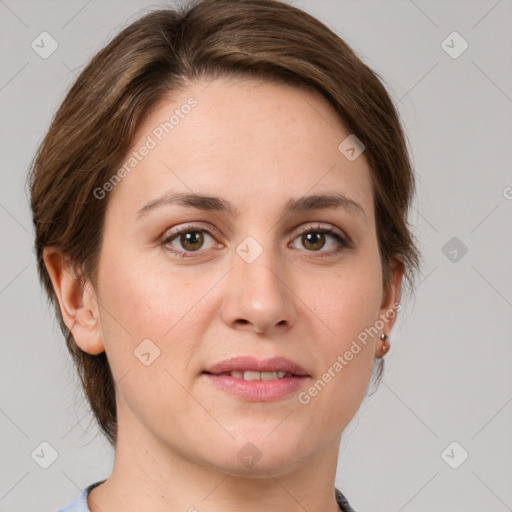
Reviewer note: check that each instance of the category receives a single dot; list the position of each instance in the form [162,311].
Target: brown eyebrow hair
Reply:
[218,204]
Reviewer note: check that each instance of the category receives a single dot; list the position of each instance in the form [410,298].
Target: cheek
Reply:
[347,303]
[350,314]
[349,299]
[151,300]
[144,317]
[147,299]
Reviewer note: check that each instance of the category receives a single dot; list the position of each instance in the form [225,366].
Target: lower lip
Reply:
[257,390]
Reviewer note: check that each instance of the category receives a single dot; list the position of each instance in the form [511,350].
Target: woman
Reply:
[220,207]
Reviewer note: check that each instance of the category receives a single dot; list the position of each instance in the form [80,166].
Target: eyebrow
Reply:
[217,204]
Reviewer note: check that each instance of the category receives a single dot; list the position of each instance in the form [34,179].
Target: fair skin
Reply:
[257,146]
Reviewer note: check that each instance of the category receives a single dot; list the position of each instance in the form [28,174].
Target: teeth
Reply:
[251,375]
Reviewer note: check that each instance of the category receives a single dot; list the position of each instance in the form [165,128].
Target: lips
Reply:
[251,368]
[257,380]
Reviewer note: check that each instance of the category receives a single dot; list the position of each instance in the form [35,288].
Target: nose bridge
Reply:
[257,295]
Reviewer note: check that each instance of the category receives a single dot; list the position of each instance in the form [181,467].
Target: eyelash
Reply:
[343,242]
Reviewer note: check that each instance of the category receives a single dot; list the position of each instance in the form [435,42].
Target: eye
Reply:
[321,239]
[189,239]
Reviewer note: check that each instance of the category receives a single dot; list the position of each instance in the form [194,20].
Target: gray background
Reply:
[448,375]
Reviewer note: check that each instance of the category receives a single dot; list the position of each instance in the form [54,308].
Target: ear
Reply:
[77,300]
[391,299]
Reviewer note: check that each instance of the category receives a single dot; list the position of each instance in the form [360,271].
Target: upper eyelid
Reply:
[190,227]
[320,226]
[214,231]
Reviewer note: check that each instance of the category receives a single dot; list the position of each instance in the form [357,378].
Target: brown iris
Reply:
[314,240]
[192,240]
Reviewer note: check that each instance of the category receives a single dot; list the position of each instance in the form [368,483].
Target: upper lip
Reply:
[250,363]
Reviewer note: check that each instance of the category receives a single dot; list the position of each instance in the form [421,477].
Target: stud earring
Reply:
[385,345]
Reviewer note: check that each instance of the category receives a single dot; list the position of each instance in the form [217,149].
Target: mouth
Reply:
[252,368]
[257,380]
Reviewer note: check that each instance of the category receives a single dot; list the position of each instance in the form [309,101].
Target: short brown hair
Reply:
[159,54]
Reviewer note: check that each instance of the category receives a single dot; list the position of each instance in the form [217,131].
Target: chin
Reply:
[259,453]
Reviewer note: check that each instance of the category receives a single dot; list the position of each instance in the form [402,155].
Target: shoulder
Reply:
[79,504]
[342,502]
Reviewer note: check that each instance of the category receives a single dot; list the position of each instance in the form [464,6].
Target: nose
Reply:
[258,296]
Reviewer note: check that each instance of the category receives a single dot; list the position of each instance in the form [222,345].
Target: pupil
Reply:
[315,240]
[192,241]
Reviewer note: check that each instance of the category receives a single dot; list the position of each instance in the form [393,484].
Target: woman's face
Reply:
[253,273]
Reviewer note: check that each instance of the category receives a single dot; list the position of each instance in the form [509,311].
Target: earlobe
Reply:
[77,301]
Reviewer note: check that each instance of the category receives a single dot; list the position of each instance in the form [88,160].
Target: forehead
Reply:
[249,141]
